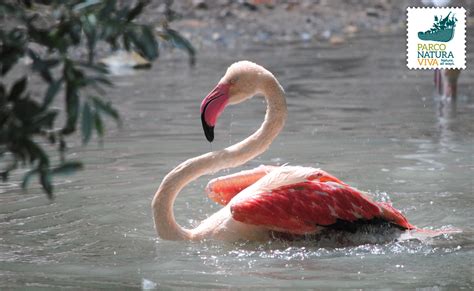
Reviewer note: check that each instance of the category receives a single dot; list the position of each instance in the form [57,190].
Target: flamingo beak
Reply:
[212,106]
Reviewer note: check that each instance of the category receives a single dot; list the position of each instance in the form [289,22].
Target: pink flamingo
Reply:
[446,82]
[268,200]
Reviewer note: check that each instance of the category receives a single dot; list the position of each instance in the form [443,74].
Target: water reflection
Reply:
[446,117]
[369,123]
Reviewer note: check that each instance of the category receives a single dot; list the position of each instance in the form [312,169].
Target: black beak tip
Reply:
[208,130]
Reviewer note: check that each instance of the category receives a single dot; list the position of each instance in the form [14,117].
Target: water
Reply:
[355,111]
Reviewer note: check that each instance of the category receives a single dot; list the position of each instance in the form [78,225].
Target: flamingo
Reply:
[267,200]
[446,82]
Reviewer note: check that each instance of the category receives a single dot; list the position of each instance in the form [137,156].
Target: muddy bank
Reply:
[239,24]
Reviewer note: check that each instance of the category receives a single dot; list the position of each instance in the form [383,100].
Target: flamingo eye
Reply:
[234,80]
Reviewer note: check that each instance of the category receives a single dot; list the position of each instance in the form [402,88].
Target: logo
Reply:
[442,30]
[436,38]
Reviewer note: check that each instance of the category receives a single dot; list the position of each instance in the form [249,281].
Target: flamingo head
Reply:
[240,83]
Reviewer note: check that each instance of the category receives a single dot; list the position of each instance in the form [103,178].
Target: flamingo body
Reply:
[291,200]
[304,200]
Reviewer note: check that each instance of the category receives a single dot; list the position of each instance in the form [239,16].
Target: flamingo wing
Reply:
[308,206]
[223,189]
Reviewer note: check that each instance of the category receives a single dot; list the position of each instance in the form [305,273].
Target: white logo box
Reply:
[431,49]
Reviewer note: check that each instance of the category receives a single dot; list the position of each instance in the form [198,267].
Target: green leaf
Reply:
[13,44]
[43,66]
[5,114]
[68,71]
[75,31]
[3,97]
[26,109]
[72,108]
[27,3]
[86,126]
[99,125]
[11,49]
[46,119]
[67,168]
[126,42]
[144,42]
[150,39]
[45,180]
[17,89]
[6,170]
[102,80]
[35,151]
[62,147]
[89,24]
[43,37]
[27,177]
[99,68]
[8,8]
[136,11]
[51,63]
[122,13]
[51,136]
[86,4]
[107,9]
[181,42]
[53,89]
[4,176]
[6,66]
[106,108]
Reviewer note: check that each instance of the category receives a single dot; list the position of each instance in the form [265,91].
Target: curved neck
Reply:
[212,162]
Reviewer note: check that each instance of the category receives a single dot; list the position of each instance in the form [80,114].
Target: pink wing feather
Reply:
[223,189]
[307,206]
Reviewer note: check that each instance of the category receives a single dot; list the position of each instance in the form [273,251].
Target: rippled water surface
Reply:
[355,111]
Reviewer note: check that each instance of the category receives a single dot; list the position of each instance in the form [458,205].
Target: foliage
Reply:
[28,124]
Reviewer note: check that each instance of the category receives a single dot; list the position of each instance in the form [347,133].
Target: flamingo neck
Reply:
[211,162]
